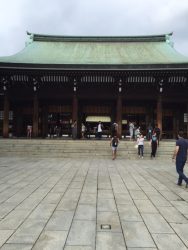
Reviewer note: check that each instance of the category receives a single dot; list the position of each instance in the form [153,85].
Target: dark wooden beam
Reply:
[6,116]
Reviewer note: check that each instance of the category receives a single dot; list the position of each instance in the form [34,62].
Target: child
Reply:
[114,144]
[140,142]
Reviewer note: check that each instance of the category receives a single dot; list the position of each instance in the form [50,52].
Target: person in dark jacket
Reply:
[180,155]
[154,143]
[158,134]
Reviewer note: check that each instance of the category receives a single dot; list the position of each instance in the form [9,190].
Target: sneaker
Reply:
[179,184]
[142,157]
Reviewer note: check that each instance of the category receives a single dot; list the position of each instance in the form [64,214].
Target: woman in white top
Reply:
[140,142]
[99,130]
[131,130]
[83,130]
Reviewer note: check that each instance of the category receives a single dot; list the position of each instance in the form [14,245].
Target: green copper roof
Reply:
[70,50]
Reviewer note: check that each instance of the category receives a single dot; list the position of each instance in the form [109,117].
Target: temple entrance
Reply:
[59,125]
[92,114]
[59,119]
[91,123]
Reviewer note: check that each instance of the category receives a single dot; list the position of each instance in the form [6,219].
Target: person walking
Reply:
[88,130]
[29,131]
[137,133]
[114,144]
[149,132]
[99,130]
[154,143]
[114,130]
[158,133]
[180,155]
[140,143]
[131,130]
[74,130]
[83,130]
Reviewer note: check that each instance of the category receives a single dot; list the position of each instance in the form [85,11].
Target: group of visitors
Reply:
[154,141]
[180,152]
[97,130]
[153,135]
[86,130]
[136,134]
[135,131]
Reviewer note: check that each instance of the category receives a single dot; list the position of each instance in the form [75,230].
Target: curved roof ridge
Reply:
[69,38]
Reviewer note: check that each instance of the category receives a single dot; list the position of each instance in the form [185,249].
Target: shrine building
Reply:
[56,80]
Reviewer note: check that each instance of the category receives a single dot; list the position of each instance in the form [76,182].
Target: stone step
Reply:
[79,155]
[75,143]
[78,148]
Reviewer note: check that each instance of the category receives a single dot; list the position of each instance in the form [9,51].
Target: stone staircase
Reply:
[51,148]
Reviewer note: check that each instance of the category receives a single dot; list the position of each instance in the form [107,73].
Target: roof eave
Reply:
[24,66]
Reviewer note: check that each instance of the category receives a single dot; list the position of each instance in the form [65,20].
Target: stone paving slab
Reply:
[4,236]
[49,240]
[67,204]
[28,232]
[78,248]
[137,235]
[82,232]
[168,242]
[16,247]
[109,240]
[156,223]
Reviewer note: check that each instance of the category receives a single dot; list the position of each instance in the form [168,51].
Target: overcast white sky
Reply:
[91,17]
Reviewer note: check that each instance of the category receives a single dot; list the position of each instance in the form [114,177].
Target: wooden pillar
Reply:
[147,119]
[75,114]
[75,108]
[35,115]
[18,122]
[44,121]
[6,116]
[175,125]
[159,113]
[119,114]
[187,121]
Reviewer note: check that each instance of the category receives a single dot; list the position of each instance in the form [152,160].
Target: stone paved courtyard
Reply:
[68,204]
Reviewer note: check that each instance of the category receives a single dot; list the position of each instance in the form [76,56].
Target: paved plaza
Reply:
[87,204]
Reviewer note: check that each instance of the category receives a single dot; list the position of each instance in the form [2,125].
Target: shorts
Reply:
[114,148]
